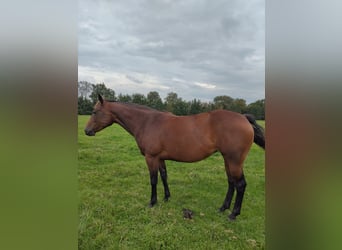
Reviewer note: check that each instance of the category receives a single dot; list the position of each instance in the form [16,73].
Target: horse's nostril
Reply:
[89,132]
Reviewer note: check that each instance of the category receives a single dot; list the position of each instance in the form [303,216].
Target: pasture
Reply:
[114,192]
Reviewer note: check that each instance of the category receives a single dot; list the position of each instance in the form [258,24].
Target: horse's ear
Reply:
[100,98]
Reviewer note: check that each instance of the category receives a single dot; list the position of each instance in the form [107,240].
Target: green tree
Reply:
[101,89]
[124,98]
[170,101]
[239,105]
[176,105]
[257,109]
[154,100]
[195,107]
[84,88]
[85,106]
[139,99]
[208,106]
[181,107]
[223,102]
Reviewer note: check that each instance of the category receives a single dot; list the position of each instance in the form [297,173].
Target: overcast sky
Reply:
[196,48]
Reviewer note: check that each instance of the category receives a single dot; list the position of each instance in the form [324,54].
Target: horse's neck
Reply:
[130,118]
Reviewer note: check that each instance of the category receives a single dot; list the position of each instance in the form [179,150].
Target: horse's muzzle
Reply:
[89,132]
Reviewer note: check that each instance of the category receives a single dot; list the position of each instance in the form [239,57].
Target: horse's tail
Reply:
[259,137]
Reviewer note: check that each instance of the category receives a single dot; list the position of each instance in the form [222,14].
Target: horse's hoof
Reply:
[232,217]
[222,209]
[166,199]
[152,204]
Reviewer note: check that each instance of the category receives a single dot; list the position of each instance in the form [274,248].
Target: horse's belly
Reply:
[187,152]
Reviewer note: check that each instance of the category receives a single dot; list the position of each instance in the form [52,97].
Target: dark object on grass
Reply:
[187,213]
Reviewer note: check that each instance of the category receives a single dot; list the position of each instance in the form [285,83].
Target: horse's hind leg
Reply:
[240,186]
[236,181]
[231,187]
[228,200]
[163,175]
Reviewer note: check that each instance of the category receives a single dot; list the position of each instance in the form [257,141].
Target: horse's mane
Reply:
[136,106]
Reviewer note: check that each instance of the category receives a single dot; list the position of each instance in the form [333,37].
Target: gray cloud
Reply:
[203,43]
[134,79]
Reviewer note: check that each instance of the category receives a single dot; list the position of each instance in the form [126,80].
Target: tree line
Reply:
[88,92]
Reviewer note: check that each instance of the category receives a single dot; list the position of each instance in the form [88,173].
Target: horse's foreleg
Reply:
[163,175]
[240,186]
[154,181]
[153,165]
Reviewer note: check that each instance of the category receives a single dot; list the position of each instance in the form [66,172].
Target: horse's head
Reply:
[100,118]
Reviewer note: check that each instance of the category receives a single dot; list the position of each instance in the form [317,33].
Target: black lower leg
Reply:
[228,200]
[154,181]
[240,186]
[163,175]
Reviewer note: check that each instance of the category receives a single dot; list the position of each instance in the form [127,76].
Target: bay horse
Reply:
[163,136]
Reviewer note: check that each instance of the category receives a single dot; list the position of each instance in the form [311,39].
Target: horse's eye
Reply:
[94,113]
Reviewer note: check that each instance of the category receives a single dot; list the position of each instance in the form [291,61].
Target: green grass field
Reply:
[114,192]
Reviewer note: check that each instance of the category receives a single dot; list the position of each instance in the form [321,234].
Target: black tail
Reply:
[259,137]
